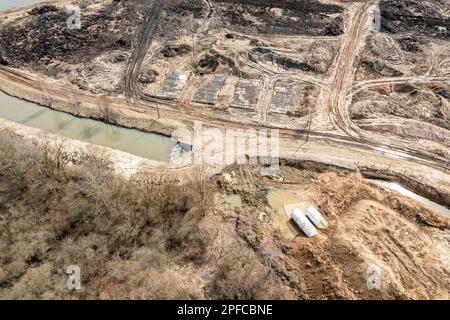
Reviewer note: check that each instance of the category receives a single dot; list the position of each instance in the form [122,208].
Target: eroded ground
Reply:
[193,42]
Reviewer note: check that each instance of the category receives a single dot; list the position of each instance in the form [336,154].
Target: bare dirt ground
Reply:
[367,226]
[366,99]
[224,237]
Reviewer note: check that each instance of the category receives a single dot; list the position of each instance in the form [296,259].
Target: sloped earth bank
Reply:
[291,17]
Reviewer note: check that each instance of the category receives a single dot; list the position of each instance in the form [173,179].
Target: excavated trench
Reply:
[423,110]
[434,195]
[398,188]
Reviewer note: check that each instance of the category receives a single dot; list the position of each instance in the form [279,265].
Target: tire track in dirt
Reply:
[143,40]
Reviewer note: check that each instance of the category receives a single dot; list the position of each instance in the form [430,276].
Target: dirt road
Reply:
[143,42]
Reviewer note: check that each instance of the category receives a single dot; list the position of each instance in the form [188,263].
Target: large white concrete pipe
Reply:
[316,218]
[302,221]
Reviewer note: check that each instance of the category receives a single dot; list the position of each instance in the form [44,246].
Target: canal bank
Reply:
[147,145]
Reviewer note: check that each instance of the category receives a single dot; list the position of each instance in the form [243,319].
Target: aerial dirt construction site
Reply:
[118,118]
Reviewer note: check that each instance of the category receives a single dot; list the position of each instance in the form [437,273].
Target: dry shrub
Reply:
[146,239]
[32,284]
[163,285]
[240,275]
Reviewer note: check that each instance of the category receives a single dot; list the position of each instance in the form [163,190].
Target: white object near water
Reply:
[316,218]
[177,152]
[302,221]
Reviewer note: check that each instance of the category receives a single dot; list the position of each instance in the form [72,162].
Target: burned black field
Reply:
[418,17]
[284,18]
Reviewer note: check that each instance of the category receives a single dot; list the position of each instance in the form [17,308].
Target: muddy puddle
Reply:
[277,200]
[146,145]
[398,188]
